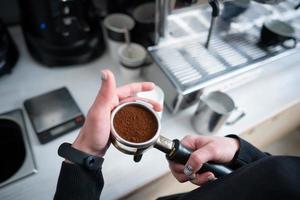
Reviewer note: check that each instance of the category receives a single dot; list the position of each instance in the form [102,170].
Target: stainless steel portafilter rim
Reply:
[120,143]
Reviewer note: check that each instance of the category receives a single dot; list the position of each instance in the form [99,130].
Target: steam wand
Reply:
[215,5]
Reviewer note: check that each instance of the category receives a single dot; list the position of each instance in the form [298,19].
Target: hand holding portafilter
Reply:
[137,145]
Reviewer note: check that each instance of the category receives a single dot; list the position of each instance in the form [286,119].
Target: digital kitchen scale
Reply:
[53,114]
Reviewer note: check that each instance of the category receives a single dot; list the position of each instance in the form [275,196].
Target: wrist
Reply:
[235,140]
[77,157]
[235,144]
[85,147]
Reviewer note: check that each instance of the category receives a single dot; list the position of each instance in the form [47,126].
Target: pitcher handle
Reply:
[236,119]
[292,46]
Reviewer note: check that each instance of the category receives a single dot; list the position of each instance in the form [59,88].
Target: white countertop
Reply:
[275,89]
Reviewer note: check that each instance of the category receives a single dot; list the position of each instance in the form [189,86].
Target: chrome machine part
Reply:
[215,5]
[164,144]
[162,9]
[183,67]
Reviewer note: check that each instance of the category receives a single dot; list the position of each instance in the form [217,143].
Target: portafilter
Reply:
[173,149]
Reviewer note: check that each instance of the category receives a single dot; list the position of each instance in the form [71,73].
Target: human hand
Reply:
[206,148]
[94,135]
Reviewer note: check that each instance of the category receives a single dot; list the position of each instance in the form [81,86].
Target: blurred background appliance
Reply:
[63,32]
[9,12]
[143,12]
[8,51]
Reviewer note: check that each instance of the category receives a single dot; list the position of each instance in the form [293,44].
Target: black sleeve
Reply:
[246,154]
[77,183]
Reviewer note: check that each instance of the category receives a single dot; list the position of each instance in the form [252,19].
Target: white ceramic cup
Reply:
[157,94]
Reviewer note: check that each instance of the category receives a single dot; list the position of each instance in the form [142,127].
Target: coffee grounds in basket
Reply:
[135,123]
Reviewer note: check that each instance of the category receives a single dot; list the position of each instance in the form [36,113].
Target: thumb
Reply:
[107,91]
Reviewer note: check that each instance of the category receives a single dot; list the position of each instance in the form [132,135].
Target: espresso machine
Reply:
[191,53]
[63,32]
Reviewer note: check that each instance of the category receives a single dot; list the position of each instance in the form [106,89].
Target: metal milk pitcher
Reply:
[213,111]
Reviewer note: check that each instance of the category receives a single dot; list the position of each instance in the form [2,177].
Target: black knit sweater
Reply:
[257,176]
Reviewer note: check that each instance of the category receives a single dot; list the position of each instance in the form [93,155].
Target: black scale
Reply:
[53,114]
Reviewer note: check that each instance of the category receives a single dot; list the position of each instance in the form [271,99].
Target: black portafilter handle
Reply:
[181,155]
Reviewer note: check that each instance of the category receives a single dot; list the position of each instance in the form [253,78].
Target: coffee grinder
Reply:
[173,149]
[60,32]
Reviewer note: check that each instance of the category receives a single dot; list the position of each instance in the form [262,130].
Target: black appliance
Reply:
[9,12]
[53,114]
[8,50]
[63,32]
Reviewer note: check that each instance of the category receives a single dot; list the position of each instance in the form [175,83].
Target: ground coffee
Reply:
[135,123]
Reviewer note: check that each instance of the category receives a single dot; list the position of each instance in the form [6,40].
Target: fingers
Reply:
[177,171]
[107,93]
[195,141]
[204,152]
[203,178]
[198,179]
[156,105]
[176,167]
[197,159]
[180,177]
[133,88]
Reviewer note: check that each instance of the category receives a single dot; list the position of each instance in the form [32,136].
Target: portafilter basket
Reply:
[173,149]
[128,147]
